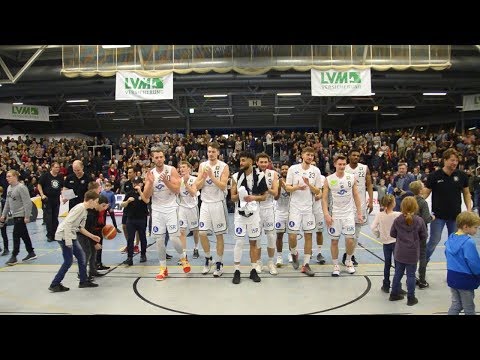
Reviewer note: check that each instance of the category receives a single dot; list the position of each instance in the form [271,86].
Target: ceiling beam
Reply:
[170,103]
[24,67]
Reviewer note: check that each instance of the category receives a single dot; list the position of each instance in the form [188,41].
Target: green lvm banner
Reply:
[133,86]
[341,83]
[471,102]
[24,112]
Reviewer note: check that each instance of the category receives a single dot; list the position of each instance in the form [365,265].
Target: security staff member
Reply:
[78,182]
[50,187]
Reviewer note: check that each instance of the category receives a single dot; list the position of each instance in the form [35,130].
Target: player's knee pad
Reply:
[271,239]
[160,239]
[238,249]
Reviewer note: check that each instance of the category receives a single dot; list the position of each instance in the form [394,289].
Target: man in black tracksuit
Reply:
[50,187]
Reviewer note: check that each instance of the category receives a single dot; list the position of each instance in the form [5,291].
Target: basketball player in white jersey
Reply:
[267,213]
[364,184]
[248,183]
[212,178]
[282,203]
[162,183]
[345,201]
[303,183]
[281,212]
[319,221]
[188,210]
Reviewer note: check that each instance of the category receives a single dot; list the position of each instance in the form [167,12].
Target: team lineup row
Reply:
[299,207]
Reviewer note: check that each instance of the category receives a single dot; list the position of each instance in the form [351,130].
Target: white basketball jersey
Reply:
[302,200]
[269,177]
[342,195]
[163,199]
[360,173]
[210,191]
[185,199]
[283,201]
[317,204]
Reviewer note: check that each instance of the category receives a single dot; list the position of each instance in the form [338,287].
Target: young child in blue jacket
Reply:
[463,264]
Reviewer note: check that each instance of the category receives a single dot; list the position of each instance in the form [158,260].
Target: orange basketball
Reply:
[109,232]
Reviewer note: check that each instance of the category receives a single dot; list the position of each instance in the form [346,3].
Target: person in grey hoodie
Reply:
[19,204]
[409,230]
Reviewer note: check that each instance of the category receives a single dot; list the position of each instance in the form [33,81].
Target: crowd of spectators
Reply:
[107,159]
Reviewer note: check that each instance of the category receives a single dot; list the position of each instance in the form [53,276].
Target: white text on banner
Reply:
[131,86]
[341,83]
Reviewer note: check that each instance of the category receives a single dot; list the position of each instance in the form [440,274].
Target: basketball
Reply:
[109,232]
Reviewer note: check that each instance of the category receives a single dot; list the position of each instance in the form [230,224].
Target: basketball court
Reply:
[134,291]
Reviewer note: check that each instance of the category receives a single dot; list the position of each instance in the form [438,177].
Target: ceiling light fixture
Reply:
[54,115]
[221,108]
[214,95]
[434,93]
[289,94]
[389,114]
[17,103]
[345,107]
[161,110]
[171,117]
[459,107]
[121,119]
[77,101]
[284,107]
[375,108]
[105,112]
[335,114]
[406,107]
[472,128]
[115,46]
[229,115]
[191,110]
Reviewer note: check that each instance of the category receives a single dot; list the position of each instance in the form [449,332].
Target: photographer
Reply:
[401,184]
[135,206]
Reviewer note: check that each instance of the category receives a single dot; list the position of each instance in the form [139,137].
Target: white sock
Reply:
[306,259]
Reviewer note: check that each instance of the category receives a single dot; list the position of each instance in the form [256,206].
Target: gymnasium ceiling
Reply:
[396,92]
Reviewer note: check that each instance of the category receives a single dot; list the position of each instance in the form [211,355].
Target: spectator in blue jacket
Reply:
[401,184]
[463,264]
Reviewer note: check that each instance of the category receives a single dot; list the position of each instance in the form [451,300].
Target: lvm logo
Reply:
[24,110]
[340,77]
[143,83]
